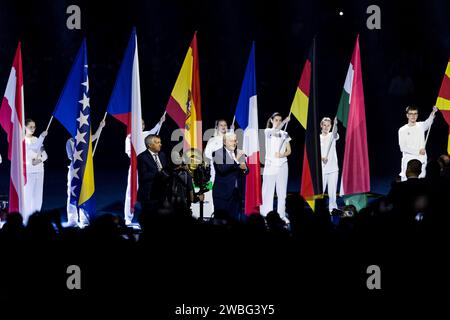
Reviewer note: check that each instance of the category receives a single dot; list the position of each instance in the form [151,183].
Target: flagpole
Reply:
[157,132]
[317,171]
[332,137]
[232,123]
[285,128]
[48,126]
[98,138]
[426,139]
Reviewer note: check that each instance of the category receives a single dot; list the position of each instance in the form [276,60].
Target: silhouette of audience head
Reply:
[413,168]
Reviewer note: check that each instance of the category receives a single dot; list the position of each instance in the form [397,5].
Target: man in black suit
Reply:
[152,174]
[410,197]
[230,167]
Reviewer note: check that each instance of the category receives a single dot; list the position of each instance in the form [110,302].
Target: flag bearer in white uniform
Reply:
[411,138]
[128,215]
[35,157]
[214,144]
[330,168]
[275,176]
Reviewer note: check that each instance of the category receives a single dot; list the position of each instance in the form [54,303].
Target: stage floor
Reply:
[110,188]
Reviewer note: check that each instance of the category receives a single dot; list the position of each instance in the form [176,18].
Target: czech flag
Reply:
[125,106]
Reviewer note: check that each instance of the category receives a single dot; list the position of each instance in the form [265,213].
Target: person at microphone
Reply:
[231,167]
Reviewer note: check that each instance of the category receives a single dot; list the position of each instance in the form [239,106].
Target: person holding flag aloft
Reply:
[127,208]
[330,168]
[275,176]
[412,141]
[35,157]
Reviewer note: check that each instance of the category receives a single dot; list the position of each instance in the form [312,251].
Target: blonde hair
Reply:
[323,120]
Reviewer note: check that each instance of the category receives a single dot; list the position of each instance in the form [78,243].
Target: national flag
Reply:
[125,105]
[303,108]
[351,112]
[184,103]
[247,119]
[12,118]
[443,100]
[73,112]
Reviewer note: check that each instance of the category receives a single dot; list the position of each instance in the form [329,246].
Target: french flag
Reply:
[125,106]
[247,117]
[12,117]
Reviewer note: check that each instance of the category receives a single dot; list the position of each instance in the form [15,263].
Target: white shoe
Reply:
[128,222]
[286,220]
[70,224]
[83,224]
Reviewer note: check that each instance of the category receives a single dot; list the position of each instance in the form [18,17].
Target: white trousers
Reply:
[274,178]
[33,191]
[128,215]
[330,180]
[72,214]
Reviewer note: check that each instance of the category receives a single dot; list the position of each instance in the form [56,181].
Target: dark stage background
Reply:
[403,63]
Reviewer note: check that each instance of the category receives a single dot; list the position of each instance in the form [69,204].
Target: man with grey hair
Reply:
[230,167]
[152,177]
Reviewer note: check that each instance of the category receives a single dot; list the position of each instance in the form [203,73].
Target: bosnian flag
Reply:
[12,117]
[247,118]
[125,105]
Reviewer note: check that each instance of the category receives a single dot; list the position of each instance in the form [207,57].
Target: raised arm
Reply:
[99,130]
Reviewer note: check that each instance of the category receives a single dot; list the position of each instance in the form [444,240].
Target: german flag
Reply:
[304,110]
[184,102]
[443,100]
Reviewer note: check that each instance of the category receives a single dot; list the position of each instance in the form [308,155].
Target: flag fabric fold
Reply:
[12,118]
[125,106]
[351,112]
[247,119]
[184,105]
[73,111]
[304,109]
[443,100]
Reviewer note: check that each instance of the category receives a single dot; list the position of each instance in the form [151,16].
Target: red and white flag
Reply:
[12,118]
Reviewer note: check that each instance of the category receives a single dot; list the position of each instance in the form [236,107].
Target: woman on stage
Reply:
[275,176]
[330,169]
[35,157]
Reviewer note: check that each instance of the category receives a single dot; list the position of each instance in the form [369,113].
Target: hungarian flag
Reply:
[351,112]
[247,119]
[184,102]
[304,110]
[12,118]
[443,100]
[125,105]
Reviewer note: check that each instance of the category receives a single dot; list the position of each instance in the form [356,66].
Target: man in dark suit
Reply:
[152,174]
[230,167]
[409,197]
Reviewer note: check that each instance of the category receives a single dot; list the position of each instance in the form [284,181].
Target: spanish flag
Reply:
[304,110]
[443,100]
[184,102]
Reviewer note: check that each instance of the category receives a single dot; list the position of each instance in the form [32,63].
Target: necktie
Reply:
[158,164]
